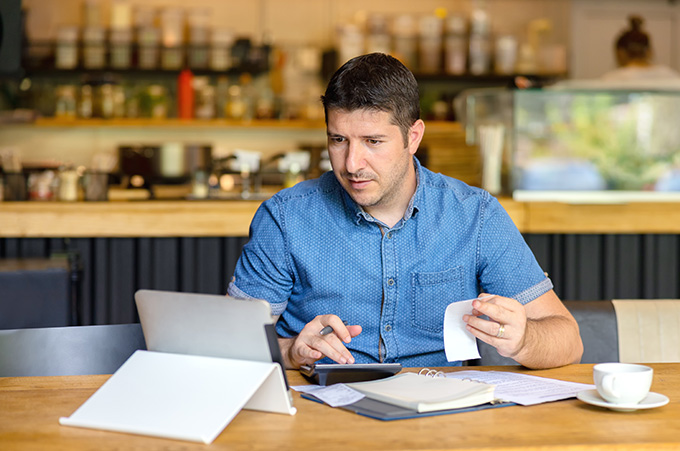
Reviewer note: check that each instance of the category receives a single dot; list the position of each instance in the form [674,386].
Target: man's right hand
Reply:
[310,346]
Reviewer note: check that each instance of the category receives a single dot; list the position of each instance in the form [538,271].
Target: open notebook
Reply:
[426,394]
[402,397]
[209,357]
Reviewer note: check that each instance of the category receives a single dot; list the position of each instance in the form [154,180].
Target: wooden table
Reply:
[30,408]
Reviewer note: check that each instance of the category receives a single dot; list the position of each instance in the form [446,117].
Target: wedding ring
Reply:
[501,331]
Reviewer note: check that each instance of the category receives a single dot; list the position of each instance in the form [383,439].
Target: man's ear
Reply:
[415,136]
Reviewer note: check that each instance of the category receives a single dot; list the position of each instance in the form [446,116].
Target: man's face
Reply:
[371,160]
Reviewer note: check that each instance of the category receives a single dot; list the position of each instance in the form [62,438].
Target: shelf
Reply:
[488,78]
[434,126]
[181,123]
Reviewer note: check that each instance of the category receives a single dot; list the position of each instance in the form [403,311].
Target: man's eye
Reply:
[374,141]
[337,139]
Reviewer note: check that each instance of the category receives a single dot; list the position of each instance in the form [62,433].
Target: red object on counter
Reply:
[185,95]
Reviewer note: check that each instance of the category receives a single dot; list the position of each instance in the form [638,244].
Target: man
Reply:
[385,245]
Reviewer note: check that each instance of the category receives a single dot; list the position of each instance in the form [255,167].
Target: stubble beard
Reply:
[389,190]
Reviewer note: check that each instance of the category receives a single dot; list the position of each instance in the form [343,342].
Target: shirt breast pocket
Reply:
[432,293]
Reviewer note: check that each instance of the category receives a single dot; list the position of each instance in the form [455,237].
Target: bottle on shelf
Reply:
[204,98]
[65,107]
[86,102]
[185,95]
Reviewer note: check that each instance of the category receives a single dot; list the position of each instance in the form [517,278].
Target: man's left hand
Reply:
[505,328]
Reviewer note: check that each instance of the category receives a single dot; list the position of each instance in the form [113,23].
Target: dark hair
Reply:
[634,41]
[376,82]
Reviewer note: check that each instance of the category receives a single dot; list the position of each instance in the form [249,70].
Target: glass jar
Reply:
[66,56]
[86,102]
[480,54]
[430,44]
[405,38]
[172,27]
[68,184]
[121,48]
[65,102]
[105,97]
[157,102]
[148,40]
[350,42]
[236,105]
[94,48]
[220,49]
[378,37]
[455,45]
[480,41]
[198,19]
[204,100]
[506,55]
[118,101]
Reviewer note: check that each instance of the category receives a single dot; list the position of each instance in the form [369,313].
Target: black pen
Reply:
[328,329]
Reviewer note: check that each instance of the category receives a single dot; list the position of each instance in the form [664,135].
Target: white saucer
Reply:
[652,400]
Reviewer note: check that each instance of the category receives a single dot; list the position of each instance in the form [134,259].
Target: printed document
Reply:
[524,389]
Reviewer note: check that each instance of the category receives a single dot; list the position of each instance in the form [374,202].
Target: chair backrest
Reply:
[648,330]
[598,327]
[35,292]
[65,351]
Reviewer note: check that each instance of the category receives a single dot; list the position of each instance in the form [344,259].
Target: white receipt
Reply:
[335,395]
[458,342]
[523,389]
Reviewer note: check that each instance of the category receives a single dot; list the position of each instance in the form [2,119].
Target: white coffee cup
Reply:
[622,383]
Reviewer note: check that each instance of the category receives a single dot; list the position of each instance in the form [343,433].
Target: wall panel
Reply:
[582,267]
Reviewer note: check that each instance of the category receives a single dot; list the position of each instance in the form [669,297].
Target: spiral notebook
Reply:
[414,395]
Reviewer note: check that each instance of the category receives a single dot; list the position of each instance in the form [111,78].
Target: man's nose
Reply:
[355,159]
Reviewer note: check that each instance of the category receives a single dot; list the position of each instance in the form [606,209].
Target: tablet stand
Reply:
[184,397]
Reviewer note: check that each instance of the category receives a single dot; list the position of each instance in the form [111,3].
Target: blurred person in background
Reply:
[633,53]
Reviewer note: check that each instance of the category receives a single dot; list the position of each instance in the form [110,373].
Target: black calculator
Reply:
[333,373]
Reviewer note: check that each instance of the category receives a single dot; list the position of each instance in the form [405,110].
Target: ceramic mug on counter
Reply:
[622,383]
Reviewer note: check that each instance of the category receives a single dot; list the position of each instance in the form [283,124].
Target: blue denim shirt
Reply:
[314,251]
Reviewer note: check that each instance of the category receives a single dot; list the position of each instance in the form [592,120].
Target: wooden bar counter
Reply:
[165,218]
[30,408]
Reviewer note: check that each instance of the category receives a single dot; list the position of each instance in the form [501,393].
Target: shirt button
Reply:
[390,282]
[389,235]
[388,328]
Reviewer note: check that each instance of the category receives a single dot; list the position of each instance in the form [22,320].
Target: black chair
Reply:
[66,351]
[36,292]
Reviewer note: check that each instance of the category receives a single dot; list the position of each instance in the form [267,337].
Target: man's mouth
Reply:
[358,184]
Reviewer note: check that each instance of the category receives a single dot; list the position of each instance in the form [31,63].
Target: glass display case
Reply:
[581,144]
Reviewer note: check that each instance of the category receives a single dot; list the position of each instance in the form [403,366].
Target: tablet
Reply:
[333,373]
